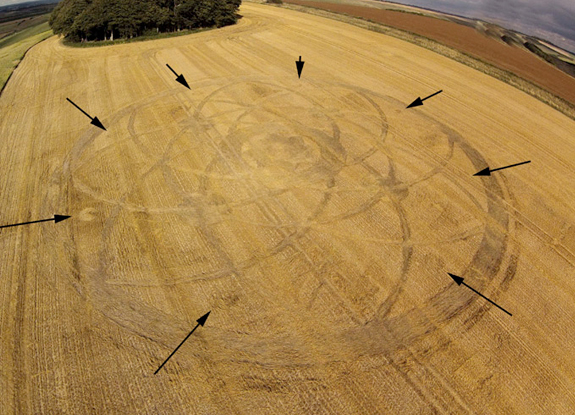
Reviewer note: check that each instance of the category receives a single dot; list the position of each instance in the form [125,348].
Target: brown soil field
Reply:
[465,39]
[316,218]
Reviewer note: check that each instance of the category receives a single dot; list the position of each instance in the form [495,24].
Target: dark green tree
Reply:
[63,17]
[88,20]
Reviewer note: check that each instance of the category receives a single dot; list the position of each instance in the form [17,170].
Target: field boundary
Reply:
[510,78]
[144,38]
[19,62]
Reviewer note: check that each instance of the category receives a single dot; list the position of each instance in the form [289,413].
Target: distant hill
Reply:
[25,10]
[27,4]
[83,20]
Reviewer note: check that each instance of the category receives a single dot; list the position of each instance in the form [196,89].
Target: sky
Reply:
[553,20]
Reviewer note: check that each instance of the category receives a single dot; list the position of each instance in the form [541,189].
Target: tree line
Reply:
[87,20]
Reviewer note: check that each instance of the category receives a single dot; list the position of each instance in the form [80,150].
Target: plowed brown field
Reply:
[316,218]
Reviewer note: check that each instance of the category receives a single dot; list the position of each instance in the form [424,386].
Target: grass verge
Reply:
[14,47]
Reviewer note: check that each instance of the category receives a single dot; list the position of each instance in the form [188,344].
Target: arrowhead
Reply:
[457,279]
[299,65]
[484,172]
[418,102]
[182,81]
[97,123]
[60,218]
[202,320]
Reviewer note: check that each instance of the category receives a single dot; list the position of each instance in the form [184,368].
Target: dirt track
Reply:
[316,218]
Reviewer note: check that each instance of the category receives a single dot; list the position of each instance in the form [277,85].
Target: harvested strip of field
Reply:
[465,39]
[316,218]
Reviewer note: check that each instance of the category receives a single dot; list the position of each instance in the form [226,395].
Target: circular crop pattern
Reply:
[324,201]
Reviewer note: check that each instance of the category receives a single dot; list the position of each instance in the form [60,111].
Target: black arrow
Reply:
[56,219]
[201,321]
[299,66]
[95,120]
[419,101]
[459,281]
[487,171]
[179,78]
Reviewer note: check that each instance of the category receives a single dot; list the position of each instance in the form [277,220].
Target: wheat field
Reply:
[316,218]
